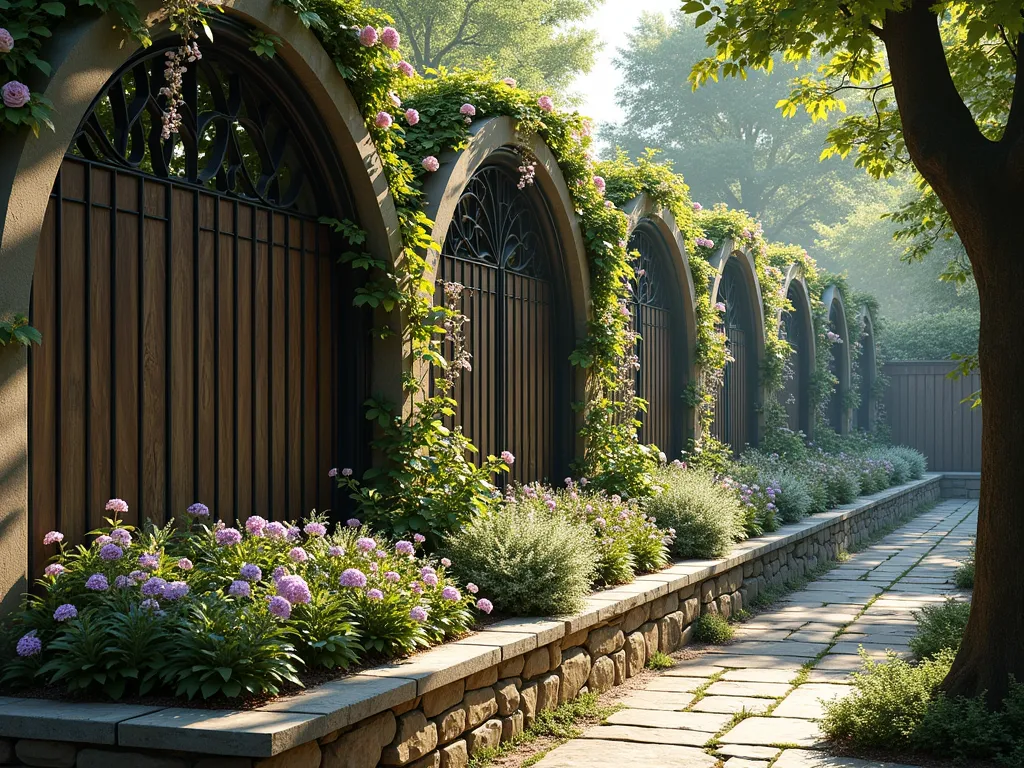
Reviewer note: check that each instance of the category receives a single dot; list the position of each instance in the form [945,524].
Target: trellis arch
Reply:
[86,52]
[737,407]
[867,367]
[665,317]
[798,328]
[520,254]
[837,412]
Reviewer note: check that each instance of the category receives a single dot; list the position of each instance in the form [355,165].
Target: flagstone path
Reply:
[684,718]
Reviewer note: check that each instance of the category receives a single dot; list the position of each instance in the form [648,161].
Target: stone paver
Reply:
[865,603]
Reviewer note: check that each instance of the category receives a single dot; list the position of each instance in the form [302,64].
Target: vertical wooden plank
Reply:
[42,391]
[313,468]
[225,358]
[205,361]
[72,375]
[294,368]
[153,404]
[127,322]
[181,317]
[261,383]
[327,393]
[278,364]
[100,302]
[244,353]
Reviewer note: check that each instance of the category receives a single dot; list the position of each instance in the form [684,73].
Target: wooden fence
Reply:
[924,410]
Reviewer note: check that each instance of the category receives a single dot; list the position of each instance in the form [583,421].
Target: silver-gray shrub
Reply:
[527,559]
[705,515]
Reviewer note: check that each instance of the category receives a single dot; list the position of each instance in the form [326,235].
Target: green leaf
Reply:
[54,9]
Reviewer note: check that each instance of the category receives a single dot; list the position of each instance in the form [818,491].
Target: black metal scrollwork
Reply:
[496,223]
[651,286]
[234,139]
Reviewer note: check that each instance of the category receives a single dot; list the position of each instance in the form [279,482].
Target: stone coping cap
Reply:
[293,720]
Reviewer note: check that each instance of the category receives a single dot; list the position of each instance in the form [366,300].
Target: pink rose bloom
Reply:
[54,569]
[484,605]
[53,537]
[6,41]
[698,207]
[412,116]
[600,184]
[120,506]
[332,472]
[509,81]
[390,37]
[546,103]
[346,472]
[406,68]
[430,163]
[394,98]
[383,120]
[467,109]
[508,458]
[368,36]
[185,564]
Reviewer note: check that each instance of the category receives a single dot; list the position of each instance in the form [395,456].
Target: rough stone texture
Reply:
[451,724]
[670,631]
[649,632]
[711,607]
[555,654]
[737,602]
[361,748]
[455,755]
[548,692]
[605,640]
[536,663]
[404,707]
[480,705]
[636,654]
[486,736]
[511,726]
[437,701]
[707,591]
[433,760]
[101,758]
[415,737]
[602,675]
[664,606]
[512,667]
[691,610]
[635,618]
[575,669]
[725,605]
[591,753]
[224,762]
[506,693]
[482,679]
[576,638]
[303,756]
[45,754]
[528,703]
[619,660]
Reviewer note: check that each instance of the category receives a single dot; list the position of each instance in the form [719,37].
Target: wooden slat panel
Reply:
[278,469]
[294,371]
[226,341]
[153,421]
[205,360]
[100,305]
[313,470]
[261,342]
[244,351]
[125,369]
[182,345]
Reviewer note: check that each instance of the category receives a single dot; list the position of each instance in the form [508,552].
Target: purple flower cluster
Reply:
[352,577]
[154,587]
[240,588]
[149,561]
[298,554]
[366,544]
[275,530]
[65,612]
[228,537]
[280,607]
[198,510]
[111,552]
[97,583]
[117,506]
[255,525]
[54,569]
[121,536]
[29,645]
[53,537]
[405,548]
[175,590]
[251,572]
[185,564]
[294,589]
[315,529]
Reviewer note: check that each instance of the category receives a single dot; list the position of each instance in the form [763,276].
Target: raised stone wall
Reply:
[437,709]
[961,485]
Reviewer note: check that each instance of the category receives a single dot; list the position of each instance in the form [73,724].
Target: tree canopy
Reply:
[538,42]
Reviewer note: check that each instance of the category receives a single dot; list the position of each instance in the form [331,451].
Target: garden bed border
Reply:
[318,714]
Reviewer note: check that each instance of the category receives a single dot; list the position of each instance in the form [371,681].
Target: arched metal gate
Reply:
[657,317]
[836,403]
[735,402]
[797,371]
[190,304]
[502,247]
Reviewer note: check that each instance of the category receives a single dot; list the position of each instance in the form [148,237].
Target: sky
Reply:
[613,20]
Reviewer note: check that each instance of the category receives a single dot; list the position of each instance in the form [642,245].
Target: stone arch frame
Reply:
[833,301]
[85,53]
[729,252]
[795,280]
[867,366]
[443,189]
[644,208]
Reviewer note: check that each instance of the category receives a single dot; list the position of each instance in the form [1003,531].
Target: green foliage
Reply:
[18,331]
[85,660]
[916,461]
[931,335]
[704,515]
[939,628]
[963,577]
[795,497]
[543,43]
[659,661]
[530,560]
[712,628]
[561,723]
[323,632]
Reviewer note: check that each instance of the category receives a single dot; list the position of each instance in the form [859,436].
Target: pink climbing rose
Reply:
[546,103]
[390,37]
[6,41]
[16,94]
[383,120]
[412,116]
[430,163]
[406,68]
[368,36]
[600,184]
[467,109]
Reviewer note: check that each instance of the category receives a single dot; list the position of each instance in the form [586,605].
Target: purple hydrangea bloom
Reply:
[392,577]
[426,569]
[390,37]
[346,472]
[294,533]
[276,530]
[418,614]
[65,612]
[450,593]
[416,588]
[228,537]
[138,575]
[240,588]
[6,41]
[185,564]
[53,537]
[29,645]
[430,579]
[121,536]
[419,538]
[335,551]
[255,525]
[154,587]
[406,68]
[332,472]
[368,36]
[374,594]
[175,590]
[279,572]
[446,562]
[198,510]
[117,506]
[366,544]
[353,522]
[102,540]
[484,605]
[352,577]
[149,561]
[123,582]
[293,589]
[54,569]
[280,607]
[315,529]
[111,552]
[405,548]
[508,458]
[472,588]
[251,572]
[468,110]
[150,604]
[298,554]
[97,583]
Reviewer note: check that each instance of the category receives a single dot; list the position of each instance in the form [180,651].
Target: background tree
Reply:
[946,83]
[538,42]
[731,142]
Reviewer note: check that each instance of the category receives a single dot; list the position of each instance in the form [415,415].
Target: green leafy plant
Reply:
[85,660]
[963,576]
[659,661]
[939,628]
[17,331]
[703,514]
[712,628]
[323,632]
